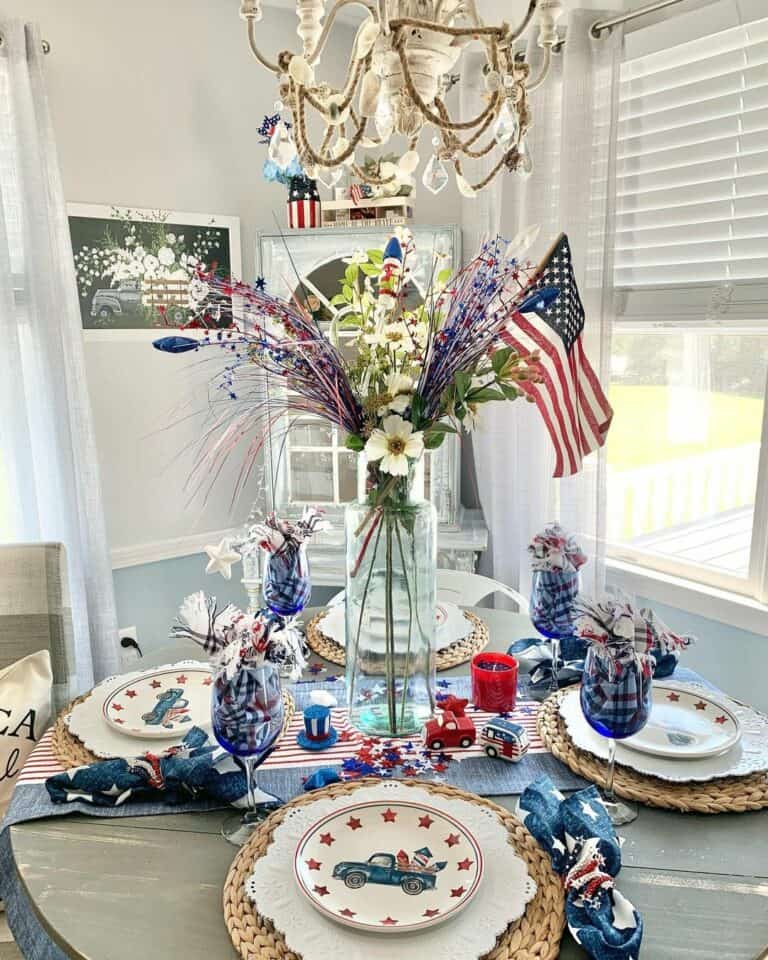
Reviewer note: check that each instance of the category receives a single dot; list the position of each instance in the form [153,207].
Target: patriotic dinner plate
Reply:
[87,720]
[450,621]
[160,704]
[749,754]
[388,867]
[684,725]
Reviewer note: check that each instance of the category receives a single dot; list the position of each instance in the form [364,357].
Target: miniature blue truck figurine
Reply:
[382,868]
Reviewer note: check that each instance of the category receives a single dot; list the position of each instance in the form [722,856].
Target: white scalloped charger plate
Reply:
[388,867]
[505,891]
[87,722]
[452,625]
[749,755]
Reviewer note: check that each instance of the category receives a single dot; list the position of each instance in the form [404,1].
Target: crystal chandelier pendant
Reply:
[282,149]
[524,165]
[506,127]
[435,176]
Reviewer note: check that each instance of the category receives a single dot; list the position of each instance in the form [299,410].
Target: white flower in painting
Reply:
[129,241]
[358,256]
[170,238]
[151,263]
[166,256]
[399,388]
[394,445]
[198,291]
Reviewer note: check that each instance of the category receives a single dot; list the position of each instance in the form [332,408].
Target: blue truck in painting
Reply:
[383,868]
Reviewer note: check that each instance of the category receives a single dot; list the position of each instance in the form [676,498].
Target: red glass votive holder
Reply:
[494,682]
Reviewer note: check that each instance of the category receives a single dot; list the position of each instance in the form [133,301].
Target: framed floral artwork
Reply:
[136,269]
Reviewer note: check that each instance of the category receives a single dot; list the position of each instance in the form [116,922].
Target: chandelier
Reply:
[400,67]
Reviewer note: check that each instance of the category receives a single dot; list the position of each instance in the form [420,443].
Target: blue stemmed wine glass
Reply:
[247,714]
[552,609]
[616,702]
[287,584]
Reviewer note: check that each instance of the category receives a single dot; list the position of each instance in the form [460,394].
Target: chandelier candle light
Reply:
[401,66]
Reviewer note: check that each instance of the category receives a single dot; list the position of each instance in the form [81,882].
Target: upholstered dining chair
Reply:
[469,589]
[35,611]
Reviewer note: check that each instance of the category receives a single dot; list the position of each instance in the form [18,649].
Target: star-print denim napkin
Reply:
[579,837]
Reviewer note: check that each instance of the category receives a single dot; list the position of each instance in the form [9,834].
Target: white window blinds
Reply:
[692,170]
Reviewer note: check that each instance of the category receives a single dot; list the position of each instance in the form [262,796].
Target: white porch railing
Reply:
[648,499]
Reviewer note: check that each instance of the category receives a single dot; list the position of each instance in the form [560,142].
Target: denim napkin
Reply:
[579,837]
[197,768]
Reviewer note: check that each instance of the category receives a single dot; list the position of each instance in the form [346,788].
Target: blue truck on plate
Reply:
[383,868]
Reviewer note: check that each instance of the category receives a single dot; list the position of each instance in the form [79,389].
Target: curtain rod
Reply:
[44,44]
[600,25]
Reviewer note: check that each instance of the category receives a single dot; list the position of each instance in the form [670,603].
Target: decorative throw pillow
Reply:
[25,712]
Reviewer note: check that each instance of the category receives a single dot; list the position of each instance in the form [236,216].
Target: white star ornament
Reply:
[221,558]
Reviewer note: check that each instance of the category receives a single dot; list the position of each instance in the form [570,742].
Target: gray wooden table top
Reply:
[105,889]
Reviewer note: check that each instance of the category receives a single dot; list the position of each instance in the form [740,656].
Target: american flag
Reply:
[303,203]
[356,193]
[570,399]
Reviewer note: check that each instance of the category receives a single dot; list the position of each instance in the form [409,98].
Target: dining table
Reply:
[115,889]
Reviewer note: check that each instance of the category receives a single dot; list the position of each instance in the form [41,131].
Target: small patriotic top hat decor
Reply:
[318,734]
[303,203]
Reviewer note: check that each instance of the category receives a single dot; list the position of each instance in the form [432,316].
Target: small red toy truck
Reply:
[451,729]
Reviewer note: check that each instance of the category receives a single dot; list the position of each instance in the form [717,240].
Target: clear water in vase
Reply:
[390,616]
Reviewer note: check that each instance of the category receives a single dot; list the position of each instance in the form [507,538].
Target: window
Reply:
[687,468]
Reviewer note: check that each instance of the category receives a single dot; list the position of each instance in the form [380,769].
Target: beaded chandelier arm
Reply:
[399,69]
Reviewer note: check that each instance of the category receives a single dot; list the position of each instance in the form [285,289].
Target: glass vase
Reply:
[390,612]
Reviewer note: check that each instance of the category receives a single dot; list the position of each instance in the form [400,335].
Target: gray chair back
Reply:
[35,611]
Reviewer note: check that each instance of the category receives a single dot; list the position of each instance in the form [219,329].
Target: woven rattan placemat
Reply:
[724,795]
[71,752]
[535,936]
[457,653]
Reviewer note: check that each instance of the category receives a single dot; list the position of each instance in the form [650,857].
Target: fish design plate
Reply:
[388,867]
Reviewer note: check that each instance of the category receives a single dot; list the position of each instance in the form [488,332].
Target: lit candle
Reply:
[494,682]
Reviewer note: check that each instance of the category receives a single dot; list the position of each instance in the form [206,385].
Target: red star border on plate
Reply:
[354,823]
[327,839]
[313,864]
[426,821]
[465,864]
[117,706]
[700,705]
[721,720]
[452,839]
[431,913]
[389,817]
[388,922]
[181,679]
[130,693]
[155,684]
[457,892]
[208,681]
[346,912]
[674,697]
[321,891]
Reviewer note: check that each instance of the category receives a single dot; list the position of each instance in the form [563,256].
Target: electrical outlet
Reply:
[129,655]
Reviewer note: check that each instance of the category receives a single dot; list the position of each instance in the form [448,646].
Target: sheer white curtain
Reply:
[572,143]
[49,478]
